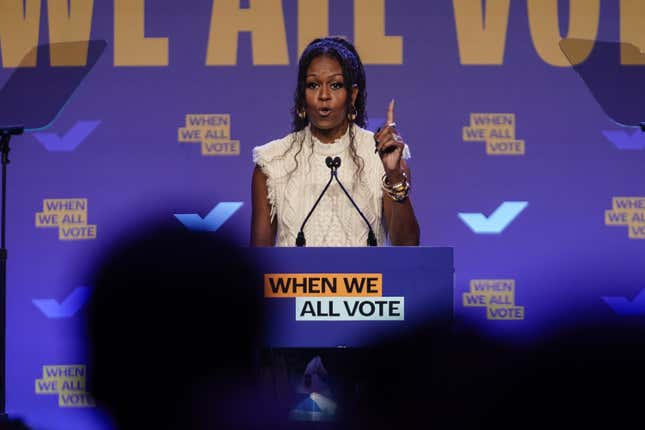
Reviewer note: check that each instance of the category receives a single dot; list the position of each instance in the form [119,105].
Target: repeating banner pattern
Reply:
[514,162]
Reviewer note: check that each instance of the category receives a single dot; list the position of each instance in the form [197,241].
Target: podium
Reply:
[353,297]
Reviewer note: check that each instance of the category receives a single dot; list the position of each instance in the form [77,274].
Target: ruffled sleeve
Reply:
[272,158]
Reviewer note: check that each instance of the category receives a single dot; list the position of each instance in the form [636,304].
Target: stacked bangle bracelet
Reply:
[397,192]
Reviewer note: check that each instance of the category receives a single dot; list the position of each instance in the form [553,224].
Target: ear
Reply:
[354,93]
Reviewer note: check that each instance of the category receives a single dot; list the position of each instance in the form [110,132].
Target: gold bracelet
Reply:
[398,197]
[397,192]
[398,186]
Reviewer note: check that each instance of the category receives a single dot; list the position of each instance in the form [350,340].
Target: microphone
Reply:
[329,162]
[300,240]
[371,237]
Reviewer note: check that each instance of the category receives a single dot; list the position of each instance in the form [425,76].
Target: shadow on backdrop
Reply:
[618,88]
[45,80]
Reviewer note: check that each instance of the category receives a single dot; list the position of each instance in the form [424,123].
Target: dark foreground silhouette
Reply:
[175,328]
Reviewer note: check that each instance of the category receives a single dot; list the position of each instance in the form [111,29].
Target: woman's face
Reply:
[325,98]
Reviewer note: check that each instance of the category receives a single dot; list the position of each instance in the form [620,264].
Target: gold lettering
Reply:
[584,17]
[19,32]
[313,21]
[69,24]
[481,36]
[131,46]
[263,18]
[632,16]
[371,42]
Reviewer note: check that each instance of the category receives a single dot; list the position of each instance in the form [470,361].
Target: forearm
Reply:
[403,227]
[262,238]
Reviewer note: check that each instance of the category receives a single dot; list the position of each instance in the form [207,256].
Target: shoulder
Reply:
[364,140]
[265,154]
[276,158]
[362,134]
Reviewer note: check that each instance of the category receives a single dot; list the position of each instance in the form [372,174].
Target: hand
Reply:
[389,145]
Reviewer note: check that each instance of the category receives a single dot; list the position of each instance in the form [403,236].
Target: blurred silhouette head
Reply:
[174,328]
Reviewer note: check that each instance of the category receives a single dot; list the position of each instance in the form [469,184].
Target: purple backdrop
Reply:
[117,146]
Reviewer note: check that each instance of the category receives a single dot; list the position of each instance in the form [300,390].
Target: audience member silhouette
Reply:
[175,329]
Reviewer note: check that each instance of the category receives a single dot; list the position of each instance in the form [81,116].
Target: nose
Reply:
[324,93]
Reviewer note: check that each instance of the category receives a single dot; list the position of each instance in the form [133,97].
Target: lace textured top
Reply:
[296,175]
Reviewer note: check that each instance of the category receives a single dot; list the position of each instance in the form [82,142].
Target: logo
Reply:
[68,382]
[497,221]
[629,212]
[497,130]
[336,297]
[625,307]
[74,137]
[69,216]
[497,296]
[68,308]
[213,221]
[213,131]
[625,141]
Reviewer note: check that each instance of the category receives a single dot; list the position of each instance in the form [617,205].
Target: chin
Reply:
[326,124]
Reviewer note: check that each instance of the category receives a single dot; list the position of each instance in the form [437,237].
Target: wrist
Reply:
[396,190]
[395,176]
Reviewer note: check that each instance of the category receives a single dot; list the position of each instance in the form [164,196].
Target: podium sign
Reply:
[352,297]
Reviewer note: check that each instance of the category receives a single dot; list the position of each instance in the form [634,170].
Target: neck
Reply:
[330,135]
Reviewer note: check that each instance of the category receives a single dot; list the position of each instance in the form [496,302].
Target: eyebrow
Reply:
[335,74]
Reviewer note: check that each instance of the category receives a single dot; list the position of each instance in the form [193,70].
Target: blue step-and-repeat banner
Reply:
[514,162]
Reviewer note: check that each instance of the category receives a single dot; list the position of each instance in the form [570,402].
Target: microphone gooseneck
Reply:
[333,165]
[371,237]
[300,240]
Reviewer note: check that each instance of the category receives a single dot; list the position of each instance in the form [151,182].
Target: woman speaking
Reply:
[296,173]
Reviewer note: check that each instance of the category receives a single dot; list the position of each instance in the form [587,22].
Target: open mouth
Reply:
[324,112]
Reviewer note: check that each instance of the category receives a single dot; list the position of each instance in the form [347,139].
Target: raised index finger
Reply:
[390,113]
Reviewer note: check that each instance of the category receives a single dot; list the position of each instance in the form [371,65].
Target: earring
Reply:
[302,114]
[352,115]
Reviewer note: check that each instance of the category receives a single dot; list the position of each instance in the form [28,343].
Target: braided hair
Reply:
[353,77]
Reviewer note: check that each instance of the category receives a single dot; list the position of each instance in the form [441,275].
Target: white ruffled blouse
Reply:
[292,191]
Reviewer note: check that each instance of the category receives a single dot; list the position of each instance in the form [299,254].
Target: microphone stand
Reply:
[333,166]
[300,240]
[5,137]
[371,237]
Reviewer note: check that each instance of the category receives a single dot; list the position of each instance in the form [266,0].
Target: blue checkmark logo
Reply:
[625,307]
[74,137]
[497,221]
[625,141]
[67,308]
[213,220]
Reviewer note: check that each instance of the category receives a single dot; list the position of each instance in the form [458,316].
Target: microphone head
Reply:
[336,161]
[329,162]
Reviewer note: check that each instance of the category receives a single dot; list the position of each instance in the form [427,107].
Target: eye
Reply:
[312,85]
[337,85]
